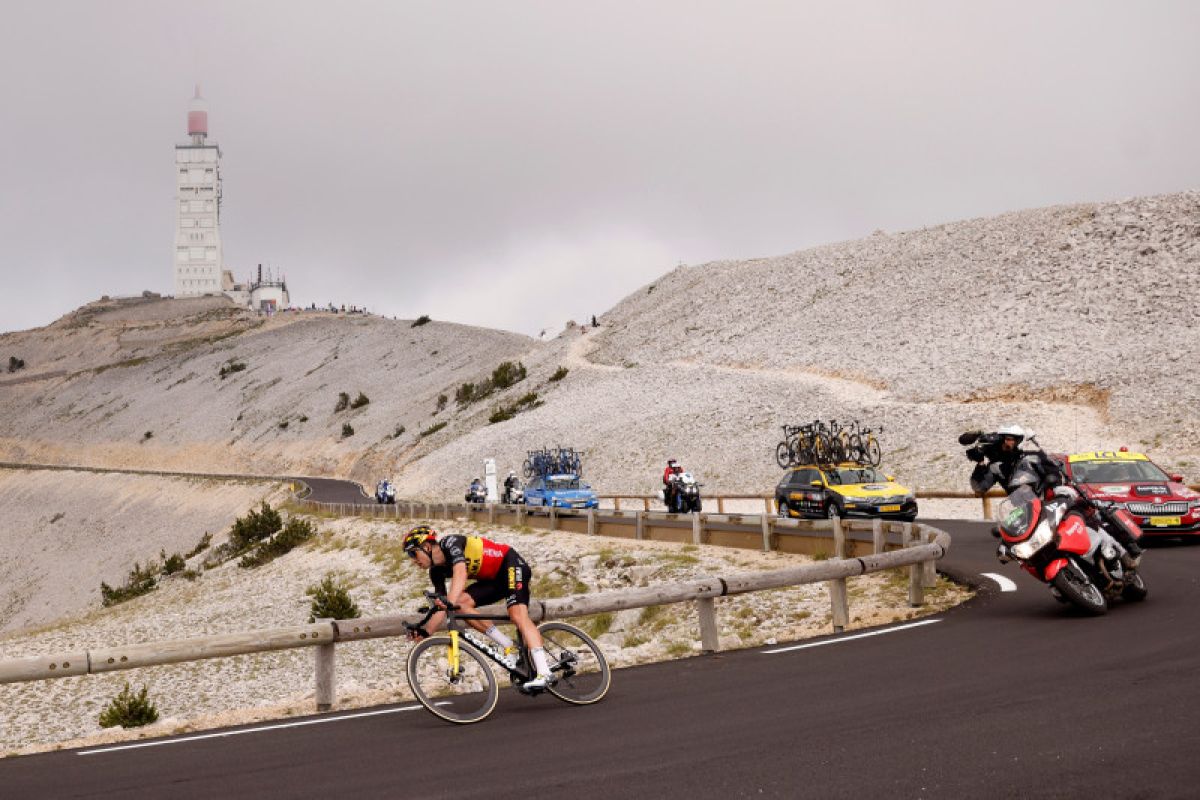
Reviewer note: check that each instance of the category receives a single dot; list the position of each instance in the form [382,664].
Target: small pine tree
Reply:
[129,709]
[343,402]
[360,401]
[255,527]
[347,429]
[331,600]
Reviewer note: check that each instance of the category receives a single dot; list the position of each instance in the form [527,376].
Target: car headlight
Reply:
[1042,536]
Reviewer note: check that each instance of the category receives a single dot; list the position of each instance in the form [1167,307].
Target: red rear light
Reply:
[1124,449]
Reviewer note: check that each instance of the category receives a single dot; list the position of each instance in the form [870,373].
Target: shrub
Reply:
[204,542]
[441,403]
[230,368]
[283,424]
[421,320]
[147,435]
[254,527]
[140,581]
[331,600]
[15,363]
[523,403]
[296,532]
[129,710]
[343,402]
[432,430]
[172,563]
[360,401]
[508,374]
[304,418]
[396,434]
[559,374]
[347,430]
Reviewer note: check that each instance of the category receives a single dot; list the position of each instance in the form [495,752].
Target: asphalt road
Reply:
[1012,695]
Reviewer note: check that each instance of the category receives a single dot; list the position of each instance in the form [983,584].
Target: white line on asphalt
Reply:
[298,724]
[841,639]
[1005,584]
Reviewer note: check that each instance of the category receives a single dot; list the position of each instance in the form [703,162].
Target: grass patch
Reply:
[558,375]
[551,586]
[679,649]
[596,625]
[230,368]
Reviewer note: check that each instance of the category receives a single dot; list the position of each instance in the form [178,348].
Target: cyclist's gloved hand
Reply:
[415,632]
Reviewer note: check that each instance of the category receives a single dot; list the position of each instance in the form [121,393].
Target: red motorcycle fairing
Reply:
[1073,534]
[1053,569]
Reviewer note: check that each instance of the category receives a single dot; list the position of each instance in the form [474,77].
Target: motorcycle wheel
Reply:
[1135,588]
[1078,588]
[696,506]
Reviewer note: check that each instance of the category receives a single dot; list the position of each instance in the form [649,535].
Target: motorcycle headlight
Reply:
[1042,536]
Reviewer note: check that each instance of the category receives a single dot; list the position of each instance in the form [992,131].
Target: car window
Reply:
[1117,472]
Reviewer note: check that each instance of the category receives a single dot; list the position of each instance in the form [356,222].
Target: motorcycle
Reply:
[514,495]
[385,492]
[477,493]
[1062,537]
[683,496]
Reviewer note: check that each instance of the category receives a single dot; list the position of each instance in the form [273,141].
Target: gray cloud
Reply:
[518,164]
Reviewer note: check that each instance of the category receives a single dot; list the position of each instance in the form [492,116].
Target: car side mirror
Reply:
[1177,478]
[891,478]
[816,484]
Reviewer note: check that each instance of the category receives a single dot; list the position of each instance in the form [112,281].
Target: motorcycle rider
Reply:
[999,459]
[510,483]
[670,482]
[475,490]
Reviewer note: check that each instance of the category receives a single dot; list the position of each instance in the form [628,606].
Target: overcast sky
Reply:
[518,164]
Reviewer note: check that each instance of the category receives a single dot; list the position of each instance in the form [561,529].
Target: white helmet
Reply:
[1012,430]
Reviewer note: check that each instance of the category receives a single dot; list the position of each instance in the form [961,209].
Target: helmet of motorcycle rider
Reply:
[1015,431]
[417,537]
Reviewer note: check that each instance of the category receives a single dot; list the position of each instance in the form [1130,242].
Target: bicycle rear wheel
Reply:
[872,452]
[463,696]
[783,455]
[576,661]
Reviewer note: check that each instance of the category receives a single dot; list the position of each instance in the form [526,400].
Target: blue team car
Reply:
[560,491]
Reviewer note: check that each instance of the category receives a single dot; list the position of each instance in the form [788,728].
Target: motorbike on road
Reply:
[683,494]
[1062,536]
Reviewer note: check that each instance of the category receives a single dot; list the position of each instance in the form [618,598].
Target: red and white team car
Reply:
[1160,503]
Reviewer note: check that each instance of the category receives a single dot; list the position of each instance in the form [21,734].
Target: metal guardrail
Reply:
[891,545]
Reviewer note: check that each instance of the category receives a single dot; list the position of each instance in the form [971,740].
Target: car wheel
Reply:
[831,510]
[783,508]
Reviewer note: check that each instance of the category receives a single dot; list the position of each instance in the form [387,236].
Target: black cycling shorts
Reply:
[511,583]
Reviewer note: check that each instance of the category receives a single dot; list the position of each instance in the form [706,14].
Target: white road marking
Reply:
[1005,584]
[197,738]
[841,639]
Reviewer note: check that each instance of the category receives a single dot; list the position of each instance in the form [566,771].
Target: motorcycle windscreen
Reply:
[1018,523]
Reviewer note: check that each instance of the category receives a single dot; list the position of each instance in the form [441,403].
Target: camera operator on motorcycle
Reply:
[999,459]
[510,483]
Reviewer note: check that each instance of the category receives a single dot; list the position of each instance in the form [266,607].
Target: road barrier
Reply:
[889,546]
[768,500]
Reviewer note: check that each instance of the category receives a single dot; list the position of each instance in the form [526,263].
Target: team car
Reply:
[844,490]
[560,491]
[1160,503]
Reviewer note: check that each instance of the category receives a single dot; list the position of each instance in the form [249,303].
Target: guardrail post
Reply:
[987,506]
[639,526]
[645,504]
[520,513]
[591,514]
[767,505]
[616,504]
[697,529]
[324,665]
[553,518]
[709,641]
[840,607]
[916,592]
[877,538]
[491,513]
[766,532]
[928,568]
[720,505]
[427,512]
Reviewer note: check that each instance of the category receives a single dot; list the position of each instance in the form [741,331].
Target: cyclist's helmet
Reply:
[417,537]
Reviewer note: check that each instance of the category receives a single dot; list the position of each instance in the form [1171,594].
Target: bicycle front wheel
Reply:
[462,695]
[873,454]
[581,670]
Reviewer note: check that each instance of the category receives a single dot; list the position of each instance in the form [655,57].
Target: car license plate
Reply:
[1162,522]
[888,509]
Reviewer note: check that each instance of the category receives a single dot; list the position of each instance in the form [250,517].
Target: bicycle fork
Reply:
[455,671]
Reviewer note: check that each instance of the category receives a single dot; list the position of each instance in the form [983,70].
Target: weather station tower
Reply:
[198,259]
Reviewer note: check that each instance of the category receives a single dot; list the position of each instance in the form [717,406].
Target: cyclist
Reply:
[499,572]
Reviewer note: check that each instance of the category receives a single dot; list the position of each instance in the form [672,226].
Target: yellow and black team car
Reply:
[847,490]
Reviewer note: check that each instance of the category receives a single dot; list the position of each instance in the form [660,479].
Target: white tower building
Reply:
[198,259]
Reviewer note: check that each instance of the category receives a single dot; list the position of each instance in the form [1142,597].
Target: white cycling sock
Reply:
[498,636]
[540,661]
